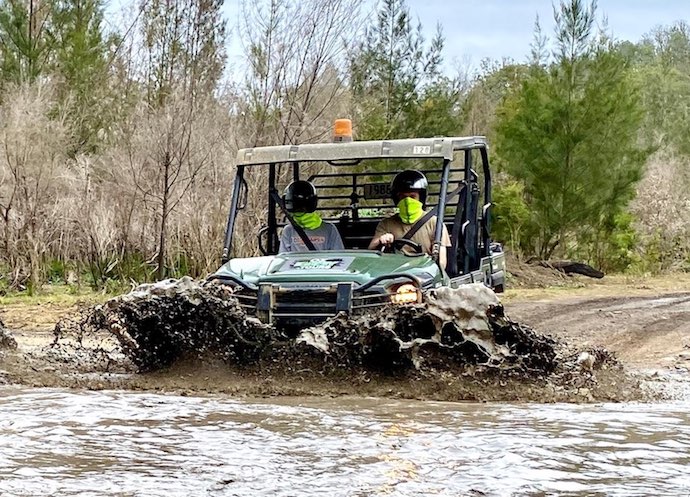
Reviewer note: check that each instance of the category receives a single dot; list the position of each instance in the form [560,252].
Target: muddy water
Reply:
[66,443]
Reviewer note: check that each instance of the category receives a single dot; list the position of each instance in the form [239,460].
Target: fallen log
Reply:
[570,267]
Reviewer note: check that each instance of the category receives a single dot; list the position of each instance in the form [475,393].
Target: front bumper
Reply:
[307,304]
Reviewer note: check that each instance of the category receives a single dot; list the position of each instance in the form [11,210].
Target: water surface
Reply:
[68,443]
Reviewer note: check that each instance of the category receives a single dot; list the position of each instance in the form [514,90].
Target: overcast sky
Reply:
[476,29]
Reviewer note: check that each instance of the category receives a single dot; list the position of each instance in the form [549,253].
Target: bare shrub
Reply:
[104,213]
[662,207]
[33,141]
[90,231]
[166,182]
[296,53]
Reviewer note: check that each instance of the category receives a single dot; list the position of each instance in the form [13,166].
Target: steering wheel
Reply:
[399,243]
[260,235]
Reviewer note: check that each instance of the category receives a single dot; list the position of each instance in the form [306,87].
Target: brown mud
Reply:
[458,346]
[645,331]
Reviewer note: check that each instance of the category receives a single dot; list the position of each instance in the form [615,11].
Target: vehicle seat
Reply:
[357,234]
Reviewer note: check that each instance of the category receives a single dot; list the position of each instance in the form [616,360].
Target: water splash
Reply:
[7,341]
[458,344]
[157,324]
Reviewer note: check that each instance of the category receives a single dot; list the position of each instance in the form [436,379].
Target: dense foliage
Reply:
[117,143]
[569,135]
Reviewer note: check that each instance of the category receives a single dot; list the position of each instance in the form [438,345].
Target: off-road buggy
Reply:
[353,181]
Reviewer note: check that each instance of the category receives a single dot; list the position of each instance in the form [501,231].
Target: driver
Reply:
[300,201]
[408,191]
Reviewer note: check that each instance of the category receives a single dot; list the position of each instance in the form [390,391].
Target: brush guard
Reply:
[299,305]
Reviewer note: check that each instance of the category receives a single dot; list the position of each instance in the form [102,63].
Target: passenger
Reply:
[409,192]
[300,201]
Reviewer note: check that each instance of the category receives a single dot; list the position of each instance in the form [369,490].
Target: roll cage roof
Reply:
[412,148]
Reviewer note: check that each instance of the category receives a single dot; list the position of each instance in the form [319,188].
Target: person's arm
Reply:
[285,240]
[334,239]
[445,242]
[381,237]
[442,258]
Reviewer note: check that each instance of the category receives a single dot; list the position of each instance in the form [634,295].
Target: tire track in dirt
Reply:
[645,331]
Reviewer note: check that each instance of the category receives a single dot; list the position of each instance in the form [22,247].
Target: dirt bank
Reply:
[644,326]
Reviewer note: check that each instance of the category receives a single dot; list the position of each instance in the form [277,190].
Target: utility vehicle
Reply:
[353,181]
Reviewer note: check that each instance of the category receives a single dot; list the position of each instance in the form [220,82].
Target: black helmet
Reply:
[409,181]
[300,196]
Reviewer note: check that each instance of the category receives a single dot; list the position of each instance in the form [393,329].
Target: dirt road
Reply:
[644,331]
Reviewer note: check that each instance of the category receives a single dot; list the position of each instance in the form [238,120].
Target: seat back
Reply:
[356,234]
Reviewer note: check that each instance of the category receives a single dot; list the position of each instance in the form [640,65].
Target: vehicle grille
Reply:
[369,301]
[314,303]
[310,304]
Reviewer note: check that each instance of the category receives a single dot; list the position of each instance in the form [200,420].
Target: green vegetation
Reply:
[568,134]
[395,78]
[57,293]
[115,144]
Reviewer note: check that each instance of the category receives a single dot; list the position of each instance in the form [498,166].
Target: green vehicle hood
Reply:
[327,267]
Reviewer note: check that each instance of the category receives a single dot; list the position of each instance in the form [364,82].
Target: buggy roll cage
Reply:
[353,153]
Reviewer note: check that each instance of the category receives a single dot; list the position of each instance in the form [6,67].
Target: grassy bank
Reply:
[41,310]
[58,294]
[610,285]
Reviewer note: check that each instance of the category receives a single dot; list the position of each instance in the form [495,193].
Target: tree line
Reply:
[118,144]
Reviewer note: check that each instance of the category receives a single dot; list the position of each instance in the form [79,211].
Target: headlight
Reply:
[406,293]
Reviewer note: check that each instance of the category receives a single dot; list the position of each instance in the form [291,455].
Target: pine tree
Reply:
[662,63]
[184,47]
[396,80]
[81,64]
[26,40]
[570,135]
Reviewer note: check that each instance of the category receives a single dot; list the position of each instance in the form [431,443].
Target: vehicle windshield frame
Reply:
[351,155]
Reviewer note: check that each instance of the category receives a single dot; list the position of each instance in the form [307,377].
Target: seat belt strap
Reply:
[425,218]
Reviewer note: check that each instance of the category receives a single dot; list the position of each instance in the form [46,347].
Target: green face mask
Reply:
[410,210]
[307,220]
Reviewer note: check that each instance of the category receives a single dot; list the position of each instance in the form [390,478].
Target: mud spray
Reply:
[193,336]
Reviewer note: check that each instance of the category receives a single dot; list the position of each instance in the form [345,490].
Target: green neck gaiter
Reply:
[410,210]
[307,220]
